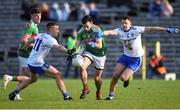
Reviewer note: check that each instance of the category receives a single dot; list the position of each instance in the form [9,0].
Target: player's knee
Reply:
[115,77]
[58,75]
[82,69]
[124,77]
[32,80]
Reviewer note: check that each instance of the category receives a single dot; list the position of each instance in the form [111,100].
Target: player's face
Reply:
[36,18]
[87,26]
[55,31]
[126,24]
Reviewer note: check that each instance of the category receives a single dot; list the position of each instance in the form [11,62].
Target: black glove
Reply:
[71,51]
[69,58]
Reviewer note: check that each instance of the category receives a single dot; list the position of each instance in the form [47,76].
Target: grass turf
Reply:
[149,94]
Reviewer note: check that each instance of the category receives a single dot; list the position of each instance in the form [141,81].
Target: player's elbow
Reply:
[99,46]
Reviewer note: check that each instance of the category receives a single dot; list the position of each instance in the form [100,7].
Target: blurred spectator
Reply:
[156,8]
[94,12]
[66,11]
[25,12]
[155,66]
[89,1]
[132,9]
[168,9]
[70,44]
[44,11]
[26,6]
[74,12]
[55,12]
[58,14]
[83,10]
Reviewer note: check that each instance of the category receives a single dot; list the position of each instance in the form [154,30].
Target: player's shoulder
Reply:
[96,28]
[27,24]
[81,30]
[119,29]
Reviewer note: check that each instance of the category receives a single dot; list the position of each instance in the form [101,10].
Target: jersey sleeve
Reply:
[140,29]
[116,30]
[51,42]
[79,36]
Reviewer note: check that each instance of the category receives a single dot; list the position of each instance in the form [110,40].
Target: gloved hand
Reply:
[92,44]
[71,51]
[98,34]
[69,58]
[172,30]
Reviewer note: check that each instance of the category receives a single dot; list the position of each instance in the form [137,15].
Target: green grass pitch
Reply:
[149,94]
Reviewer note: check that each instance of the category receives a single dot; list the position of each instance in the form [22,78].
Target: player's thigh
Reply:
[87,62]
[53,72]
[34,77]
[127,73]
[118,70]
[24,70]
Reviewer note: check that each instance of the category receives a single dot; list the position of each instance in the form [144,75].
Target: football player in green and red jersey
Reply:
[30,31]
[95,53]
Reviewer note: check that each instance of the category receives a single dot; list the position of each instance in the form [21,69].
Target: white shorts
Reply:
[23,62]
[99,62]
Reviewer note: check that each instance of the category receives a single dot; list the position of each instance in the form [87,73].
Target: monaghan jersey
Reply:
[131,40]
[32,30]
[86,37]
[43,44]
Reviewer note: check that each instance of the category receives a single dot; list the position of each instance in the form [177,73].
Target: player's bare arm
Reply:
[161,29]
[77,44]
[155,29]
[60,48]
[25,38]
[110,33]
[28,43]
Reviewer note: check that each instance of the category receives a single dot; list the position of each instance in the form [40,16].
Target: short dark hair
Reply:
[35,11]
[86,18]
[126,18]
[50,24]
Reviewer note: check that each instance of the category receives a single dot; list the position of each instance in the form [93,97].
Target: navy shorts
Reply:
[132,63]
[39,69]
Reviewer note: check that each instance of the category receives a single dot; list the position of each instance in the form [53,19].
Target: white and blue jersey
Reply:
[43,44]
[132,43]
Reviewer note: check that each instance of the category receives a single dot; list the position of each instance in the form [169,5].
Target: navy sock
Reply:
[16,91]
[111,94]
[65,95]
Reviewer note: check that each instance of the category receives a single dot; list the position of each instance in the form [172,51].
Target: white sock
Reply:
[10,77]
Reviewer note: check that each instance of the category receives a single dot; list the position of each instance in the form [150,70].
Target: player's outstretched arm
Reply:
[60,48]
[105,33]
[110,33]
[161,29]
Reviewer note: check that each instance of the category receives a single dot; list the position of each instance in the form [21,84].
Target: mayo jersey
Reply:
[88,37]
[131,40]
[43,44]
[32,30]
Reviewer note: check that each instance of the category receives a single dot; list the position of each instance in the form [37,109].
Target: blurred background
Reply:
[107,14]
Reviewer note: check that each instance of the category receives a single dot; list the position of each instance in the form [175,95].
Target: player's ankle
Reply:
[86,87]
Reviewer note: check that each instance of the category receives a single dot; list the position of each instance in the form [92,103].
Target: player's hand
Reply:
[69,58]
[92,44]
[71,51]
[98,34]
[172,30]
